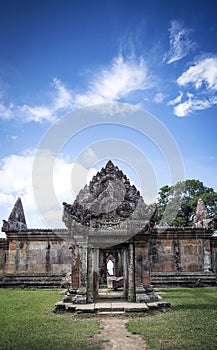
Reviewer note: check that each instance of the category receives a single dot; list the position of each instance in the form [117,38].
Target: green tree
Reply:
[177,204]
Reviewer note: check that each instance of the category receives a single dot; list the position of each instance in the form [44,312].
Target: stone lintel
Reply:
[38,235]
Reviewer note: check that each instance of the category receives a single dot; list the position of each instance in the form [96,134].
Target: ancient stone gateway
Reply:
[109,221]
[108,227]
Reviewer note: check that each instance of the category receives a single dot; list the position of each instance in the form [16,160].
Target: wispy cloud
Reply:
[193,104]
[200,81]
[202,74]
[176,100]
[7,111]
[115,83]
[159,98]
[180,42]
[60,101]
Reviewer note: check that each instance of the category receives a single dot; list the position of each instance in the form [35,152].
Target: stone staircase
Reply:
[183,279]
[110,308]
[108,295]
[31,281]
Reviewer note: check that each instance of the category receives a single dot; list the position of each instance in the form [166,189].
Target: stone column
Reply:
[92,274]
[125,272]
[131,273]
[95,273]
[75,267]
[146,261]
[17,258]
[89,275]
[206,256]
[83,265]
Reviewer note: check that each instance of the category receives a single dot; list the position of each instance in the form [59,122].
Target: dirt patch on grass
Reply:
[114,335]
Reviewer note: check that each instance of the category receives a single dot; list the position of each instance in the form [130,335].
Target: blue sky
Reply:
[59,56]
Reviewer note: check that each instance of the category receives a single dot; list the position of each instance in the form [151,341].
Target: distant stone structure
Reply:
[16,220]
[107,221]
[201,219]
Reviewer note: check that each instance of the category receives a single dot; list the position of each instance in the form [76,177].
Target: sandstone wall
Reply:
[177,250]
[3,255]
[38,251]
[168,251]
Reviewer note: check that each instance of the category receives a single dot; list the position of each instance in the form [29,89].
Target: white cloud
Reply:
[159,98]
[193,104]
[180,42]
[201,81]
[176,100]
[111,84]
[6,112]
[67,180]
[61,101]
[116,82]
[202,74]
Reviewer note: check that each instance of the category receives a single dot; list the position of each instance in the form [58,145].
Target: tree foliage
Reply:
[177,204]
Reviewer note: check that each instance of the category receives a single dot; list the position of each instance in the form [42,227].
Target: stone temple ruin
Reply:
[109,219]
[108,223]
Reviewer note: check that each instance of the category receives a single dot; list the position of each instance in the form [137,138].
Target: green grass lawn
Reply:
[190,325]
[28,323]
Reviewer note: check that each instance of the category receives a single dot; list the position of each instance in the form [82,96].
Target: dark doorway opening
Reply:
[112,274]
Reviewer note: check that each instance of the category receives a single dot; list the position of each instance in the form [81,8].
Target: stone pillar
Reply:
[83,265]
[176,250]
[17,258]
[95,273]
[125,272]
[146,266]
[206,256]
[92,274]
[142,261]
[89,275]
[214,254]
[75,267]
[102,268]
[131,273]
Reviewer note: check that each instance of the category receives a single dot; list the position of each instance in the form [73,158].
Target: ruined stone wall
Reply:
[3,255]
[177,250]
[214,253]
[38,251]
[167,251]
[142,260]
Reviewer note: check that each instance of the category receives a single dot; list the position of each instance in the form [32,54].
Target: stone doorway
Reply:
[113,273]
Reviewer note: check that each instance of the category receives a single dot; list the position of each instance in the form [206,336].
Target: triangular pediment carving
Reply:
[107,201]
[16,220]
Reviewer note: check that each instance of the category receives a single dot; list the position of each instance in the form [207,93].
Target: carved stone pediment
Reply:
[108,202]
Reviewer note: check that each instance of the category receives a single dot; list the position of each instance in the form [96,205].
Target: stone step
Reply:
[110,308]
[102,313]
[171,279]
[31,281]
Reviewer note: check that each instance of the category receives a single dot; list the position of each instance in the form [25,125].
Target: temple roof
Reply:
[16,220]
[109,197]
